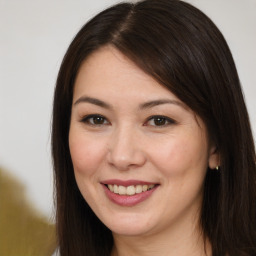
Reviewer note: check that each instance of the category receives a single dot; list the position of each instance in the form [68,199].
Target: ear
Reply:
[214,158]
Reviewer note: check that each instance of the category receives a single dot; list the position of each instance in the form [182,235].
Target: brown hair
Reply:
[182,49]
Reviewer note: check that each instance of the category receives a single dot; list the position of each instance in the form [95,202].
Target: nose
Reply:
[125,149]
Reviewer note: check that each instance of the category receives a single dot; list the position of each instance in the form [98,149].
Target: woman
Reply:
[152,147]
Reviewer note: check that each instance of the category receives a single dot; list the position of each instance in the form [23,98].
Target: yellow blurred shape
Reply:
[22,231]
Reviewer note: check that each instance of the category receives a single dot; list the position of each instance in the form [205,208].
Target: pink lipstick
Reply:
[128,193]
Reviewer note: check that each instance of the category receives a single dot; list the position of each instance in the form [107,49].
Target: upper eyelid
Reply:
[169,120]
[86,117]
[92,115]
[161,116]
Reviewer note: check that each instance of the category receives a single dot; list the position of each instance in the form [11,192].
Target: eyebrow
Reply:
[154,103]
[100,103]
[146,105]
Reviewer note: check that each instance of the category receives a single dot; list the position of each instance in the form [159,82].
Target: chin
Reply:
[129,225]
[133,230]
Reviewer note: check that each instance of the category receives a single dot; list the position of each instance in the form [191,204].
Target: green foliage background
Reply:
[23,232]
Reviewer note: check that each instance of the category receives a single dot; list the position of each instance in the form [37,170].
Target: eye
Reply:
[95,120]
[159,121]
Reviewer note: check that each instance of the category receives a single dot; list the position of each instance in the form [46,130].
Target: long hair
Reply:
[183,50]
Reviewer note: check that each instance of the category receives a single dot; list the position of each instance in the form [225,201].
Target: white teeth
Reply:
[121,190]
[111,188]
[144,188]
[115,189]
[130,190]
[138,189]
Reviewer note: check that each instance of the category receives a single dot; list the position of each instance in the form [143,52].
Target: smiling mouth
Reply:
[129,190]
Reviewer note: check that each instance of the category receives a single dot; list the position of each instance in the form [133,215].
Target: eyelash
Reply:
[166,121]
[86,119]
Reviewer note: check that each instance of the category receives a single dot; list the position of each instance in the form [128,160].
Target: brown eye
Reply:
[95,120]
[159,121]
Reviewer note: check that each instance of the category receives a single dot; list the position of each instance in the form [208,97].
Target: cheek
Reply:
[86,154]
[180,156]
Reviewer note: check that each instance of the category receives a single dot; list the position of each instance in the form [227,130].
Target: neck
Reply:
[178,240]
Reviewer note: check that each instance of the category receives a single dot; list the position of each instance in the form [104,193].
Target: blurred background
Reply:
[34,36]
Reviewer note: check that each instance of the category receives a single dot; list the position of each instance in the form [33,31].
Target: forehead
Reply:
[107,70]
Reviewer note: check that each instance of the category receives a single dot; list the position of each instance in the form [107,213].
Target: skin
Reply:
[127,143]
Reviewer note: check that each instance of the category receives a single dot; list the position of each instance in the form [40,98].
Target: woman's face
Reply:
[139,154]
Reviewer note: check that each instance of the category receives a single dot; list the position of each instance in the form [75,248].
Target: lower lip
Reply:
[124,200]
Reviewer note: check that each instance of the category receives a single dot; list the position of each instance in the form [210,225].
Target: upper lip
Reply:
[127,183]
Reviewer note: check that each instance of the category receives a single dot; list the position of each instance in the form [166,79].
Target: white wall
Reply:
[33,38]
